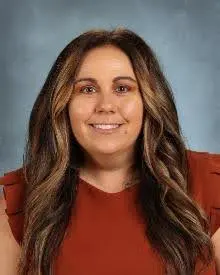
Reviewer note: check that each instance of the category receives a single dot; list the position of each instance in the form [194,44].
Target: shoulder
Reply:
[204,183]
[12,201]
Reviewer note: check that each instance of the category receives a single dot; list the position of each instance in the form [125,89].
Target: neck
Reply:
[110,173]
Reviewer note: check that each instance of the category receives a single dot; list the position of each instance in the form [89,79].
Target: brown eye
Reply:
[123,88]
[87,89]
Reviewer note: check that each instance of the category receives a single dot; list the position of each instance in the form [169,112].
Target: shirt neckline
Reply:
[98,191]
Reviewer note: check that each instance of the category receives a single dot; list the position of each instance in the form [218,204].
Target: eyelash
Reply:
[125,86]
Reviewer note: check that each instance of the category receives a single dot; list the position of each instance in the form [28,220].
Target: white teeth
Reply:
[105,126]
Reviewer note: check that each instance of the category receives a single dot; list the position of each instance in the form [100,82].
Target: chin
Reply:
[105,149]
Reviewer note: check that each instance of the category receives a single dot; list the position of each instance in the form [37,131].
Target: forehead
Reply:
[106,59]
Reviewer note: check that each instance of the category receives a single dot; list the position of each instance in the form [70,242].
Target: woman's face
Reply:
[106,91]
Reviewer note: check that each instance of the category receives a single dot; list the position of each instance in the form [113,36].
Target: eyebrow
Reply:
[95,81]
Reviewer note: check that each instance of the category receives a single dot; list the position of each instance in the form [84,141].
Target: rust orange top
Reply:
[106,235]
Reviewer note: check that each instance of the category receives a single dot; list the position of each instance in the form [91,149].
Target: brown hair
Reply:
[176,226]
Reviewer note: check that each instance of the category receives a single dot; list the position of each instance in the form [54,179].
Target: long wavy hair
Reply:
[176,227]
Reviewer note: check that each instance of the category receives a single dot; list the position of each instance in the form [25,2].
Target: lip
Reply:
[105,131]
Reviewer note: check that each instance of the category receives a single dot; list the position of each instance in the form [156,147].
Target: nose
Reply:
[106,103]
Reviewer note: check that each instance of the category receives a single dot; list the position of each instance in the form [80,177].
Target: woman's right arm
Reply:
[9,248]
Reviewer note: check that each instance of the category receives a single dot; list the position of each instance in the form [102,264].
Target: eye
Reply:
[87,89]
[123,88]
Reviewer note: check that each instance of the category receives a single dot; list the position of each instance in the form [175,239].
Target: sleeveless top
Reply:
[106,234]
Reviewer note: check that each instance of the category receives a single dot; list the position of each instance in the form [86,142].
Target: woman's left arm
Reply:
[216,242]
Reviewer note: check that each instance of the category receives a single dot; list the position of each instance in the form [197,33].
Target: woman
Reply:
[107,185]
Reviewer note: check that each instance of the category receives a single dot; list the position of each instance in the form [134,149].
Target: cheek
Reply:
[133,110]
[79,111]
[79,114]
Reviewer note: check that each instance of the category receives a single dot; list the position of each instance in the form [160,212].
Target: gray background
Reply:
[184,34]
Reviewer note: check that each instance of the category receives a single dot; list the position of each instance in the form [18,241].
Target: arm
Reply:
[9,249]
[216,243]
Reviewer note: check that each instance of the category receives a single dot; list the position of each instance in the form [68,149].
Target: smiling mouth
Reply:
[107,128]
